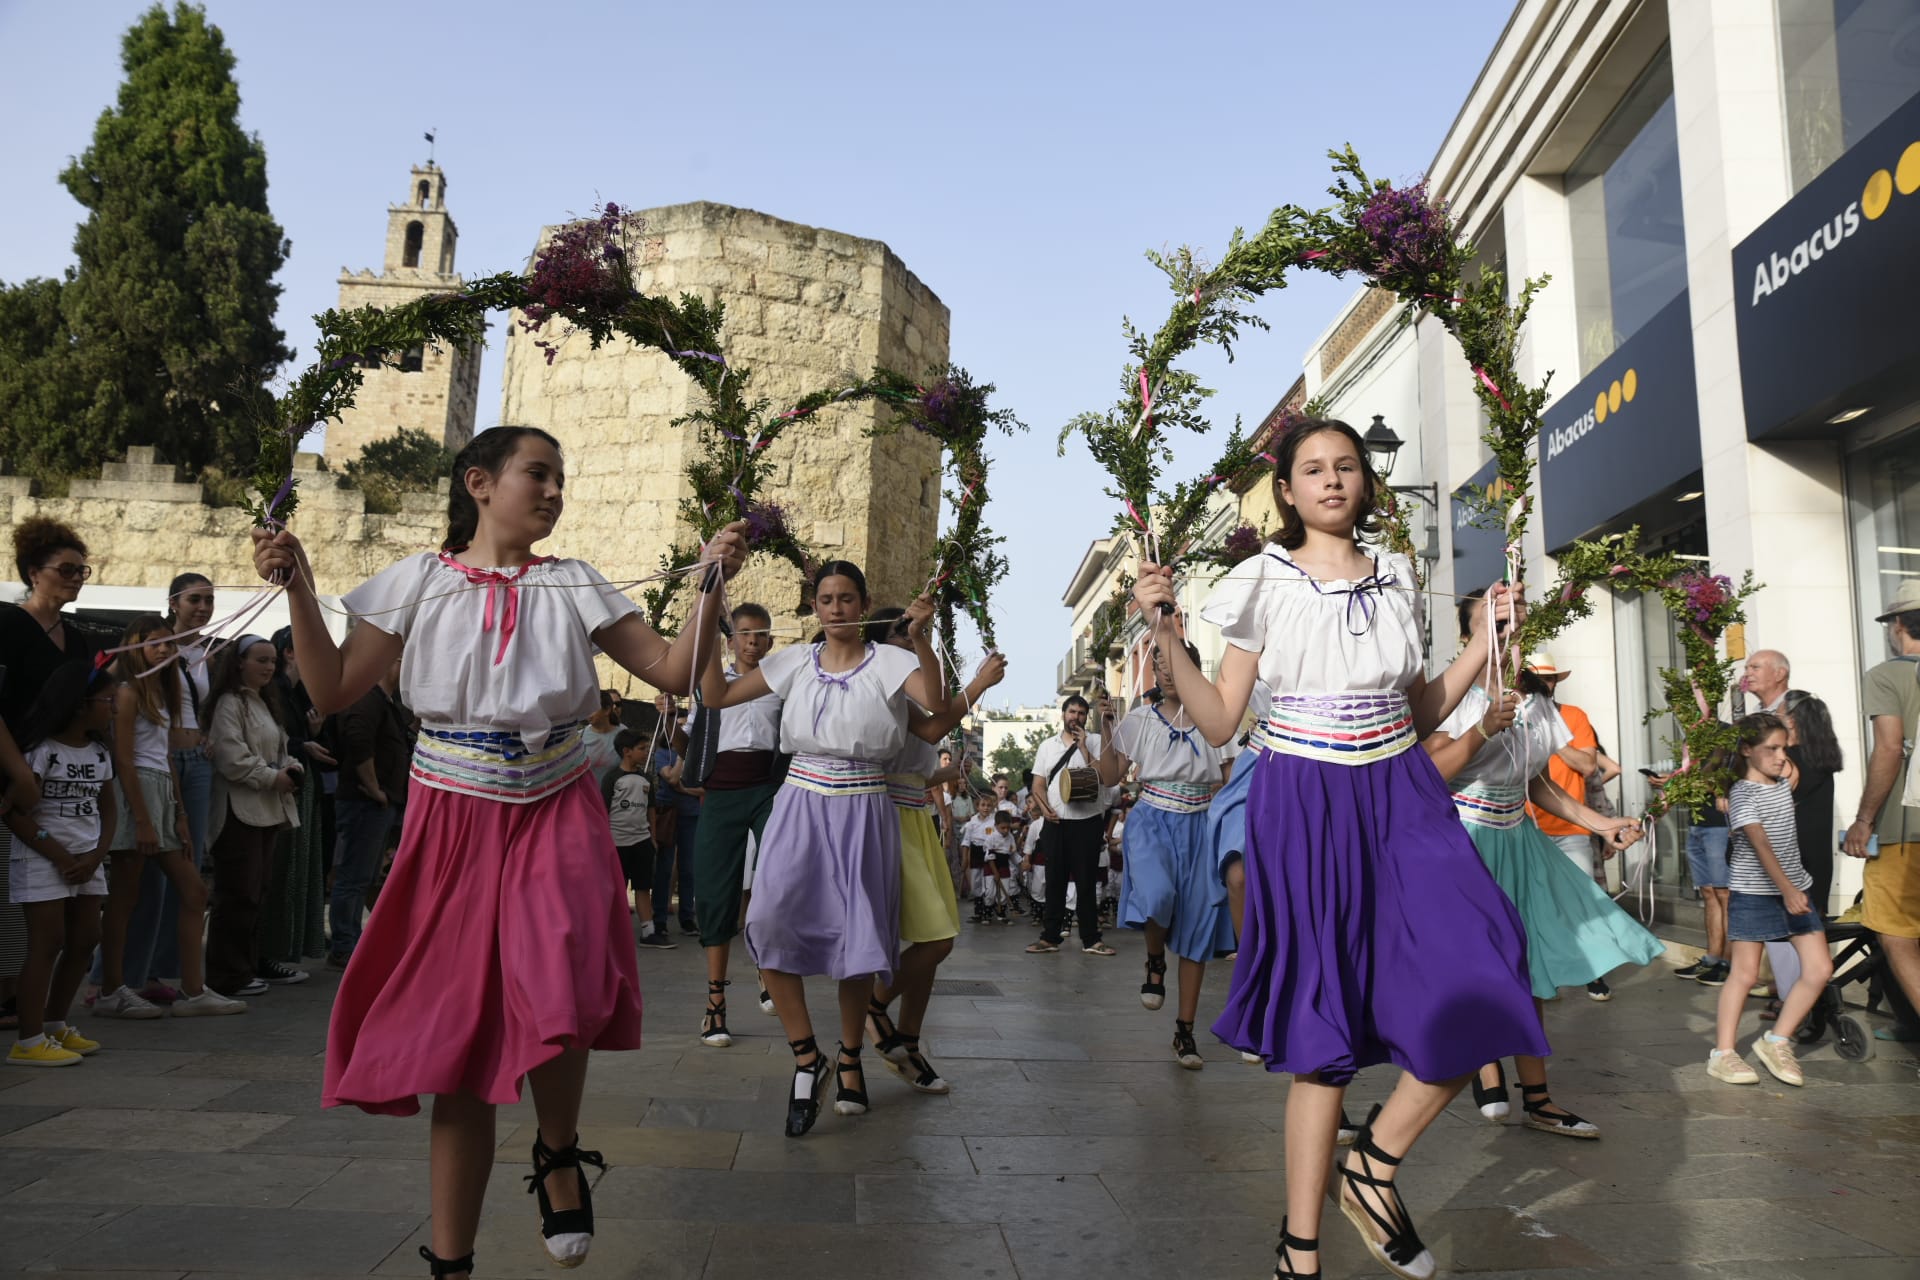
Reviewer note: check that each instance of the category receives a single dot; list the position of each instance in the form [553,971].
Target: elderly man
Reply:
[1765,679]
[1891,699]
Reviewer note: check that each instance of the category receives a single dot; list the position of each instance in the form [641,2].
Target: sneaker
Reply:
[159,993]
[1763,991]
[44,1054]
[1599,990]
[766,1003]
[1693,970]
[690,927]
[1731,1068]
[282,975]
[1715,975]
[1776,1055]
[658,940]
[124,1003]
[210,1004]
[73,1042]
[1252,1059]
[251,987]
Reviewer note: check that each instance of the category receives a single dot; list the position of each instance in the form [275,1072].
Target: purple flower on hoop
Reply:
[1705,594]
[1242,544]
[1406,232]
[941,406]
[767,523]
[583,268]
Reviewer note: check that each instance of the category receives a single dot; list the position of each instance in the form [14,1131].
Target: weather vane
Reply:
[429,136]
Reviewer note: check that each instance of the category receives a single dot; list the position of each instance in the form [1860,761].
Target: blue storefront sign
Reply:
[1479,550]
[1626,433]
[1825,289]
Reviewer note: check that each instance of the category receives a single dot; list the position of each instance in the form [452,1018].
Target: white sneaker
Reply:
[1776,1055]
[1731,1068]
[1252,1059]
[208,1004]
[126,1003]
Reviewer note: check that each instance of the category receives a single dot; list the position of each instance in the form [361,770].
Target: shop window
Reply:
[1623,198]
[416,233]
[1846,65]
[1883,492]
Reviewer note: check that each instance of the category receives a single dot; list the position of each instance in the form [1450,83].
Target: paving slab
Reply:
[248,1242]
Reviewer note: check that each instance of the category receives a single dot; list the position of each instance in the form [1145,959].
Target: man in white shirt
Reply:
[1074,833]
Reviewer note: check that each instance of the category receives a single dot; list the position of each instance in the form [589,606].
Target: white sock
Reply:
[646,928]
[32,1042]
[54,1029]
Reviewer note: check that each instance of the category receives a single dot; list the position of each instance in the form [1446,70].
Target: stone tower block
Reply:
[436,388]
[805,307]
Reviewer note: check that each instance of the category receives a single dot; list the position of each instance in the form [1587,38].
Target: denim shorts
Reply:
[1707,856]
[1762,917]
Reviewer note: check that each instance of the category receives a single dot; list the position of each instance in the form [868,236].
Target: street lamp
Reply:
[1383,444]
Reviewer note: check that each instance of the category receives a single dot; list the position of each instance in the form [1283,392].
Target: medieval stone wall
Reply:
[805,307]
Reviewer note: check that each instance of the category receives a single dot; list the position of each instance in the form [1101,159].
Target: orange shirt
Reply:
[1563,773]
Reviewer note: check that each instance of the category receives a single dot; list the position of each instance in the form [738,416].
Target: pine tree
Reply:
[169,333]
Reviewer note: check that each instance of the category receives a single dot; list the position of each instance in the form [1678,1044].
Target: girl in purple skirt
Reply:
[1373,933]
[826,896]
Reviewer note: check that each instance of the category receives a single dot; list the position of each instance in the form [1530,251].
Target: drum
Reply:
[1080,786]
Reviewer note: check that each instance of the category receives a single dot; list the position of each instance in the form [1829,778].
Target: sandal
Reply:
[1153,992]
[439,1266]
[924,1078]
[803,1103]
[887,1040]
[1042,948]
[766,1003]
[1560,1120]
[849,1102]
[1099,949]
[1401,1251]
[1771,1013]
[568,1232]
[1492,1101]
[1185,1051]
[1284,1269]
[713,1023]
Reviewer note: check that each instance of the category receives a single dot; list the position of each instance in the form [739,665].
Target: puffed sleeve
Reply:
[1472,707]
[780,667]
[1126,735]
[389,599]
[594,598]
[1237,605]
[1405,579]
[1557,731]
[893,665]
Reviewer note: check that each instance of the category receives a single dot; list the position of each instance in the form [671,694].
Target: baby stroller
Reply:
[1859,961]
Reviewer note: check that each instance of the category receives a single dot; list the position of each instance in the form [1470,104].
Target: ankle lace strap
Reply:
[803,1047]
[439,1266]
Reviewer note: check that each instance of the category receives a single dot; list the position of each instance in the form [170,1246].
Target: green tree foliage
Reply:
[409,461]
[167,336]
[1014,756]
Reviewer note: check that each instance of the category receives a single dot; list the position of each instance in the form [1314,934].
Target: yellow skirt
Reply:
[929,911]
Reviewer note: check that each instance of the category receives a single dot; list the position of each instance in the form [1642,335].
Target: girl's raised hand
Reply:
[728,549]
[1500,716]
[1153,588]
[992,671]
[919,616]
[279,558]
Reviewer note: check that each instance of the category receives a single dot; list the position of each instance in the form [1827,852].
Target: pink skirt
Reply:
[501,937]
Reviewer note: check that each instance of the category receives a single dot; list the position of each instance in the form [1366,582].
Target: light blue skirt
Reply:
[1575,932]
[1170,877]
[1227,815]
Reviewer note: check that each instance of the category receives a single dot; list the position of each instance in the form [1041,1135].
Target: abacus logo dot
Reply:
[1606,403]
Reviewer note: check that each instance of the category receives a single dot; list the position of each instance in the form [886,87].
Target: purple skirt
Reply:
[826,895]
[1373,931]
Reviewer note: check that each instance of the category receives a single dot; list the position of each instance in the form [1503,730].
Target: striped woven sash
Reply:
[908,790]
[833,776]
[1341,728]
[1176,797]
[1501,808]
[498,764]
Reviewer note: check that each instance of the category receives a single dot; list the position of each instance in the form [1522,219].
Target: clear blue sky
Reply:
[1018,157]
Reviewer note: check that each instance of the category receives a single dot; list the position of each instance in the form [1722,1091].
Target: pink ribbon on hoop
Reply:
[497,584]
[1311,254]
[1493,387]
[1146,399]
[1136,516]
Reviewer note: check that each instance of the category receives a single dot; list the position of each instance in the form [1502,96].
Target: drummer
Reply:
[1072,805]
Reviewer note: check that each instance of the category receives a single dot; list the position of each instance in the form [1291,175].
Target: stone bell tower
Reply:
[434,389]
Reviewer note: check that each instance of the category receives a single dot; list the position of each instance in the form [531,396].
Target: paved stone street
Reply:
[1071,1146]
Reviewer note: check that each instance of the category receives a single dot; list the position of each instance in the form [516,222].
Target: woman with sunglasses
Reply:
[36,639]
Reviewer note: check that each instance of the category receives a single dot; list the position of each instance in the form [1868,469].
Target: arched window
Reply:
[420,197]
[412,361]
[415,234]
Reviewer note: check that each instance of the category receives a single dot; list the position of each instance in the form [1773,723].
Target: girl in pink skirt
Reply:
[501,946]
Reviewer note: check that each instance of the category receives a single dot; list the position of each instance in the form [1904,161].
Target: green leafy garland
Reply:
[582,278]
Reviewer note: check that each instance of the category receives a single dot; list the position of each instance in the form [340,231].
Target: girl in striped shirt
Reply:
[1768,904]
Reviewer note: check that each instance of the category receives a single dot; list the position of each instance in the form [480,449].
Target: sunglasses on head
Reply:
[71,572]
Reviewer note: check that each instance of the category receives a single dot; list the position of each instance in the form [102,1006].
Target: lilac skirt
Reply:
[826,896]
[1373,931]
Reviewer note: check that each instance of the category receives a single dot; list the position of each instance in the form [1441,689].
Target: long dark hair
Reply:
[1293,531]
[61,698]
[490,451]
[180,583]
[884,623]
[1818,748]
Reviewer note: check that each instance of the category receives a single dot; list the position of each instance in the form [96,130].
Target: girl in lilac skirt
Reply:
[826,896]
[1373,933]
[501,947]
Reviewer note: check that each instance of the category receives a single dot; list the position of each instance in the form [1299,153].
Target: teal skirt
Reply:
[1575,932]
